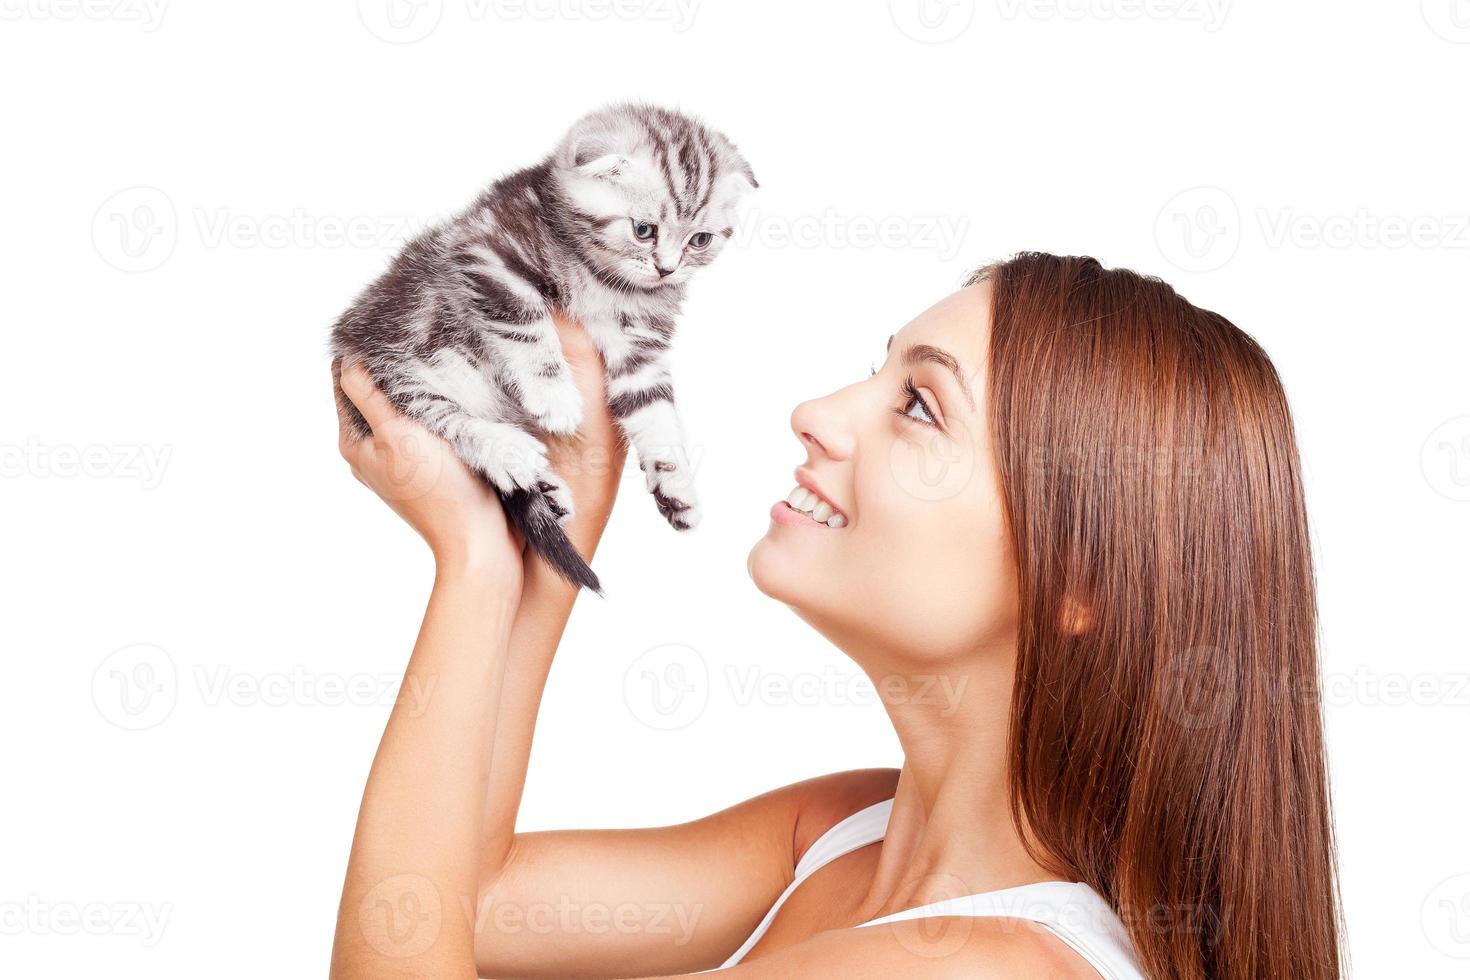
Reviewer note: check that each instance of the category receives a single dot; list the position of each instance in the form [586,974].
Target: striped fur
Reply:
[608,228]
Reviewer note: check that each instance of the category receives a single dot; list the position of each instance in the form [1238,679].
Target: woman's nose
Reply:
[820,425]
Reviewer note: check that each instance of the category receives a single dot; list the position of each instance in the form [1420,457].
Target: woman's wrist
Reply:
[495,580]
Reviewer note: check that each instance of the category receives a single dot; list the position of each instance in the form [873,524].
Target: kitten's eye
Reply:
[643,231]
[700,239]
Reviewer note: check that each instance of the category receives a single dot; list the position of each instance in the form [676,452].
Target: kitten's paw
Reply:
[558,495]
[673,492]
[679,509]
[556,405]
[514,460]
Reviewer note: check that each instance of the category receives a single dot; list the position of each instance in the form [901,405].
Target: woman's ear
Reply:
[1075,617]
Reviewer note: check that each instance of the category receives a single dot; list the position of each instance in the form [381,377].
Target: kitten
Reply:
[608,228]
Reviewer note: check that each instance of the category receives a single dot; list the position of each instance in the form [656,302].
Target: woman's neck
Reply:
[951,833]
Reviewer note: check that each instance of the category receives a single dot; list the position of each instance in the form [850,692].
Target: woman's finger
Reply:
[358,386]
[347,439]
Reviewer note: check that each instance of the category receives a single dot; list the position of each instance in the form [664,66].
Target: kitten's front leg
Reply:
[640,395]
[531,361]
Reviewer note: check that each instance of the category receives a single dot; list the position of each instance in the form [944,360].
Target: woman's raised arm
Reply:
[419,824]
[438,880]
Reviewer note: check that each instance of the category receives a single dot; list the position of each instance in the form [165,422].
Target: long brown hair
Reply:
[1166,738]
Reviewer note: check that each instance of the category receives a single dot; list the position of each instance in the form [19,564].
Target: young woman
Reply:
[1112,570]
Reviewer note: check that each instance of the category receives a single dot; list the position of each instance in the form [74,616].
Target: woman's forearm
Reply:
[546,605]
[412,875]
[592,464]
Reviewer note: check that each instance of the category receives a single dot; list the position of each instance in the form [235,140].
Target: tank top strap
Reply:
[860,829]
[1070,910]
[865,827]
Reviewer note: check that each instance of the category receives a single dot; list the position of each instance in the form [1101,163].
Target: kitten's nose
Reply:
[662,272]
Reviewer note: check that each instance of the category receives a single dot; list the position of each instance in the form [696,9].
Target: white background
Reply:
[192,579]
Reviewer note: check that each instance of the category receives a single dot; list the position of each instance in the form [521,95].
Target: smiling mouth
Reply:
[810,506]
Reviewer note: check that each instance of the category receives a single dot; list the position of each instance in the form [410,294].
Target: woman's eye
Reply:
[914,407]
[917,411]
[700,239]
[643,231]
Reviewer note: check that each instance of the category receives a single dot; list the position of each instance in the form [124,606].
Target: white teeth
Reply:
[818,509]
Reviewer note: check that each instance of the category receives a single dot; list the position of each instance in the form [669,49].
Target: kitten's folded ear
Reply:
[592,149]
[750,175]
[608,165]
[733,186]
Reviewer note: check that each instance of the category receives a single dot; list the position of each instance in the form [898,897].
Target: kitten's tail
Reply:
[535,517]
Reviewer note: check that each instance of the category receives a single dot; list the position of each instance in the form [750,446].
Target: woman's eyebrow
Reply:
[919,353]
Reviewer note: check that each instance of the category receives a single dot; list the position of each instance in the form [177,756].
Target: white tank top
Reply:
[1076,914]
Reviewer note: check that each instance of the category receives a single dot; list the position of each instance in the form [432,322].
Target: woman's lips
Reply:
[783,513]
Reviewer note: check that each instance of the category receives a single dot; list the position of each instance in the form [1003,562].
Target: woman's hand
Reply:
[425,483]
[420,477]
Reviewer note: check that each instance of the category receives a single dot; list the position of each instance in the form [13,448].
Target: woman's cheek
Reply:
[931,465]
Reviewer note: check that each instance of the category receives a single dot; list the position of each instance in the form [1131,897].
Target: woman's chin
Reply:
[774,573]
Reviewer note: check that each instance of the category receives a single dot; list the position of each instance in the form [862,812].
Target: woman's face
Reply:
[914,562]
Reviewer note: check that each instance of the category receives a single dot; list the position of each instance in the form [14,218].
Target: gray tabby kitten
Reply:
[458,332]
